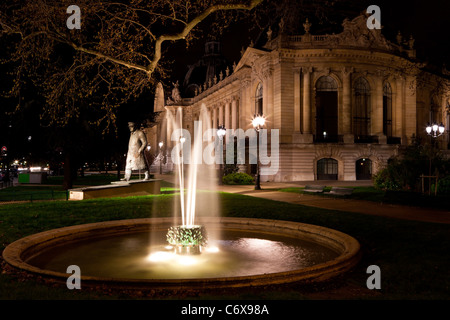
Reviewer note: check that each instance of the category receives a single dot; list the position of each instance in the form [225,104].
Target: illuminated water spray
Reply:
[188,238]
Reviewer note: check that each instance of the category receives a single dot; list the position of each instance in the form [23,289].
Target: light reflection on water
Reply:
[238,253]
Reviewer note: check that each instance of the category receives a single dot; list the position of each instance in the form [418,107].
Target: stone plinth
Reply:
[117,189]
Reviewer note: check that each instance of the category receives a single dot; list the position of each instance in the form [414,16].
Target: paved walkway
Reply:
[360,206]
[349,205]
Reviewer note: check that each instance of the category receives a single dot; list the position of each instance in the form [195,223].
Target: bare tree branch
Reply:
[150,68]
[191,25]
[116,56]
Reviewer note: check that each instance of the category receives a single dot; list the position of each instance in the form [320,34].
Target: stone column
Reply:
[168,133]
[346,115]
[398,113]
[221,115]
[234,114]
[307,99]
[244,102]
[214,118]
[410,109]
[270,103]
[377,110]
[297,117]
[227,114]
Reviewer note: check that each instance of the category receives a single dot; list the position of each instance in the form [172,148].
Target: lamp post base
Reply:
[257,184]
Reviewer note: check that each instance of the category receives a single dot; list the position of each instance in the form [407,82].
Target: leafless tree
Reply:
[116,55]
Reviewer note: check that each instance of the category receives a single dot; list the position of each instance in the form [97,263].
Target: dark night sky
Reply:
[427,21]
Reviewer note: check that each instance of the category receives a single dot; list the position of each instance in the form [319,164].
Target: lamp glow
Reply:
[258,121]
[435,127]
[221,131]
[212,249]
[160,256]
[435,130]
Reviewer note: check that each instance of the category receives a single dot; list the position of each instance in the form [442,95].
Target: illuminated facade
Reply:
[343,103]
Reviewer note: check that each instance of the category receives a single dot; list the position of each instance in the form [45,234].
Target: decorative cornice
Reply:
[338,53]
[267,73]
[245,83]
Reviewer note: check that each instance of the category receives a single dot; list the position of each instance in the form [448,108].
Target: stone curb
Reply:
[17,253]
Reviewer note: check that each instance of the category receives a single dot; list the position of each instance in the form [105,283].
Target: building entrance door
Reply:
[327,169]
[326,110]
[363,169]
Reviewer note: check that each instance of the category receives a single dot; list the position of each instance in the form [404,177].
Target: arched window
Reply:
[361,114]
[326,109]
[327,169]
[434,107]
[326,83]
[387,110]
[363,168]
[259,100]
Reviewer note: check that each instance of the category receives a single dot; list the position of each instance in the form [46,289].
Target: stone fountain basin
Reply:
[19,252]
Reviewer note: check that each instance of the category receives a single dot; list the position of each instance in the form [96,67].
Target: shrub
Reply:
[404,171]
[238,178]
[386,179]
[444,185]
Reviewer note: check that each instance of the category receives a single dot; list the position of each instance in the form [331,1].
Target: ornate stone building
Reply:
[343,104]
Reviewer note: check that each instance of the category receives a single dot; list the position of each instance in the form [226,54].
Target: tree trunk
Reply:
[69,171]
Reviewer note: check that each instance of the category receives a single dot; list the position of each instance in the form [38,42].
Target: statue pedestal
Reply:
[117,189]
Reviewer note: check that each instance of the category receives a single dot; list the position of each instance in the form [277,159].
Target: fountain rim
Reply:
[348,248]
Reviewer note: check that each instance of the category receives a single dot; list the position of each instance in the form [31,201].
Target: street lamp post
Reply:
[146,157]
[160,157]
[258,122]
[434,131]
[221,131]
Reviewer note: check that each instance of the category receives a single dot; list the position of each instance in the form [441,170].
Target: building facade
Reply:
[343,104]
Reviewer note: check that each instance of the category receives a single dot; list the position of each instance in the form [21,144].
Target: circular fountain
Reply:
[248,253]
[177,253]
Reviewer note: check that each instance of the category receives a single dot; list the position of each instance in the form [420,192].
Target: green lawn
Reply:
[413,256]
[32,193]
[52,188]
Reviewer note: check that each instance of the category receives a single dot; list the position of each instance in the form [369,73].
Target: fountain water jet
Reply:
[189,238]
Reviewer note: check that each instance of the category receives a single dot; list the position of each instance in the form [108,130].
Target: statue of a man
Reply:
[135,156]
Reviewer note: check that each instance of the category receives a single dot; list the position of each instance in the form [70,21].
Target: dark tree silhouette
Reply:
[115,57]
